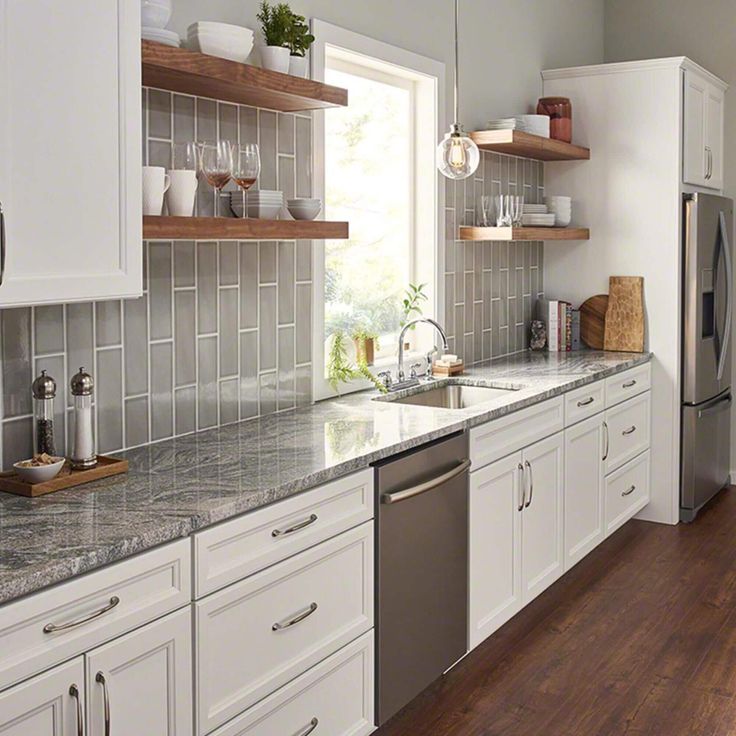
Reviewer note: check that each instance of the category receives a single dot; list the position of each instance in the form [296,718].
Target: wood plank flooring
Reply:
[639,638]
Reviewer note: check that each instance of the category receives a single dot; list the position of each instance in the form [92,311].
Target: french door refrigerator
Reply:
[706,350]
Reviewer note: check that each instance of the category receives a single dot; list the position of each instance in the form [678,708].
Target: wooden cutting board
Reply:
[625,314]
[593,321]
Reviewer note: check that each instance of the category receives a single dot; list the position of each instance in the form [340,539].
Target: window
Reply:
[374,166]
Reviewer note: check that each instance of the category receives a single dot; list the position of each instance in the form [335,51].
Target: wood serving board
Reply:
[67,478]
[455,370]
[593,321]
[625,314]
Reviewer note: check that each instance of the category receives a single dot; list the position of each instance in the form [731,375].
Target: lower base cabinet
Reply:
[627,492]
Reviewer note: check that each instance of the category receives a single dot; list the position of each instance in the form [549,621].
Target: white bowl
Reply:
[261,210]
[155,13]
[301,211]
[161,35]
[39,473]
[225,28]
[225,45]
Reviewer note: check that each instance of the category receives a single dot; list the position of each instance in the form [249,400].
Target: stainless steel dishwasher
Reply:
[421,569]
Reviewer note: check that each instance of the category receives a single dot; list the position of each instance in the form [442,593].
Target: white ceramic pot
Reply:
[155,13]
[298,66]
[155,183]
[182,192]
[275,58]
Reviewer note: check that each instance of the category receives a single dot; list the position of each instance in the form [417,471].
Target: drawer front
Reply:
[257,635]
[335,697]
[584,402]
[500,437]
[231,551]
[627,492]
[54,625]
[627,428]
[624,385]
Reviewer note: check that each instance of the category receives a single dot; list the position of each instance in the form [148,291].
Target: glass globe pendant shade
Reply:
[457,155]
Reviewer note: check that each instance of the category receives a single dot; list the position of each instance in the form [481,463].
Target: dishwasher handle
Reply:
[428,485]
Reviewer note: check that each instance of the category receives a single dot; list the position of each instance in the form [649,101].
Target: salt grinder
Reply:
[44,393]
[83,446]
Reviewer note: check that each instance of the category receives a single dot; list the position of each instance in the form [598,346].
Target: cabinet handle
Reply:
[105,701]
[522,485]
[629,492]
[630,430]
[605,452]
[52,628]
[630,384]
[586,402]
[295,528]
[2,244]
[74,693]
[709,164]
[278,626]
[309,728]
[531,484]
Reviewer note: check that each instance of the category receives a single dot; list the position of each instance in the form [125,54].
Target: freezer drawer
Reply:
[706,441]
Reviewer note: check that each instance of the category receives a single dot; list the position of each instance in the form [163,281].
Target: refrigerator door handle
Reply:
[717,406]
[726,247]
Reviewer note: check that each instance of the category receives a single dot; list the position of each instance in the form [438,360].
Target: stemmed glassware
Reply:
[216,163]
[246,168]
[509,209]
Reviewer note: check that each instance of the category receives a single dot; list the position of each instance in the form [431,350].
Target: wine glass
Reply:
[216,163]
[246,167]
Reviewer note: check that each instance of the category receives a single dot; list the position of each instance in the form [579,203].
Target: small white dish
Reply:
[304,209]
[155,13]
[38,473]
[161,35]
[220,39]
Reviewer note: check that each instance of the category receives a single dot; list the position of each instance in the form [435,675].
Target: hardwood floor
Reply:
[639,638]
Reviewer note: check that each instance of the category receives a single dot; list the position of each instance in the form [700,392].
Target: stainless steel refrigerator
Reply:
[706,350]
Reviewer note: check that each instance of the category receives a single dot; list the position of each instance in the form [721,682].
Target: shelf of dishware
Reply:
[190,72]
[527,145]
[524,233]
[157,227]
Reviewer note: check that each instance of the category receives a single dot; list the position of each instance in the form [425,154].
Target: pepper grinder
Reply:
[83,454]
[44,393]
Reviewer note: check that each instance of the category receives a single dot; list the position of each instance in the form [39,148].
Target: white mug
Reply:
[155,183]
[182,192]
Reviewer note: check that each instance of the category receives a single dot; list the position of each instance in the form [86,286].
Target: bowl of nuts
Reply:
[39,468]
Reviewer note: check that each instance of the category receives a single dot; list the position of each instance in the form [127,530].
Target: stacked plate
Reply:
[535,209]
[262,203]
[561,208]
[220,39]
[161,35]
[540,220]
[534,124]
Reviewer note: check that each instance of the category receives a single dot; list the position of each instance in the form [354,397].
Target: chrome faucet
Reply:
[436,325]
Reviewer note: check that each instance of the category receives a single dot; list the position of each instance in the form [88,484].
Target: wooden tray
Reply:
[106,466]
[455,370]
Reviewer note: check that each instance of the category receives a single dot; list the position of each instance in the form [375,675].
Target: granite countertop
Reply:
[182,485]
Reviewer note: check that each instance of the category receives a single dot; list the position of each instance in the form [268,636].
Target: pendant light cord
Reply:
[457,67]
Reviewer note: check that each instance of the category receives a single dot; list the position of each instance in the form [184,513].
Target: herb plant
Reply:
[276,22]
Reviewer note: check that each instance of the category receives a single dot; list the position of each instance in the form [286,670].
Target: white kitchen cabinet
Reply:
[145,678]
[70,150]
[703,112]
[584,525]
[51,704]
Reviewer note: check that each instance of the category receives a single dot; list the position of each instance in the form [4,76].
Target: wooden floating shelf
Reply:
[524,233]
[232,228]
[526,145]
[182,70]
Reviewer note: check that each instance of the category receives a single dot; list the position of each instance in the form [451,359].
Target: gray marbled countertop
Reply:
[178,486]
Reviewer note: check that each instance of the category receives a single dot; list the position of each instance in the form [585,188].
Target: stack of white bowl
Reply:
[261,203]
[155,14]
[303,208]
[535,124]
[220,39]
[561,207]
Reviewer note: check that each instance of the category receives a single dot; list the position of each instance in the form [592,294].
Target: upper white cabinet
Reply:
[70,150]
[703,130]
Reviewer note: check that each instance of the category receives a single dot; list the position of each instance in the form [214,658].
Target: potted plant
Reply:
[300,40]
[276,23]
[341,370]
[366,344]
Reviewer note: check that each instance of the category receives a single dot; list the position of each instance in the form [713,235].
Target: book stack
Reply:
[563,324]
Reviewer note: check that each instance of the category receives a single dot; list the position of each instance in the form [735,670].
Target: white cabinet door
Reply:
[584,523]
[694,153]
[542,518]
[70,150]
[145,678]
[495,509]
[51,704]
[714,137]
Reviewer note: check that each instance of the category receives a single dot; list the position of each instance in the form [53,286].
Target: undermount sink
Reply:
[452,396]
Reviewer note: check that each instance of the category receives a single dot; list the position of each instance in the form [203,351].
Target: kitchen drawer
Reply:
[145,587]
[584,402]
[627,492]
[335,697]
[624,385]
[259,634]
[235,549]
[626,431]
[500,437]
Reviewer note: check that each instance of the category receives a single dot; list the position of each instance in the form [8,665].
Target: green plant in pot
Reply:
[411,305]
[276,23]
[300,41]
[340,368]
[366,344]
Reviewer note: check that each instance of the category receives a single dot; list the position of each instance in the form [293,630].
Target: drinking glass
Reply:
[503,214]
[485,212]
[246,167]
[216,163]
[185,156]
[516,209]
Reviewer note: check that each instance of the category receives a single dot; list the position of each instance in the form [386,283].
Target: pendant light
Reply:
[457,155]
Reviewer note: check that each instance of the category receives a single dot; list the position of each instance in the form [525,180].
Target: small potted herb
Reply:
[341,370]
[366,344]
[276,24]
[300,40]
[411,305]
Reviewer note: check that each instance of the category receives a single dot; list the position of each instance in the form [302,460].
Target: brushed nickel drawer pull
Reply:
[51,628]
[531,484]
[630,430]
[522,485]
[586,402]
[312,725]
[278,626]
[605,453]
[297,527]
[630,384]
[74,693]
[629,492]
[105,701]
